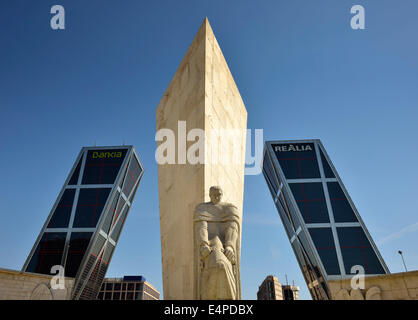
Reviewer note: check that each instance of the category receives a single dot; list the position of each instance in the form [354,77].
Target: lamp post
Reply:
[403,260]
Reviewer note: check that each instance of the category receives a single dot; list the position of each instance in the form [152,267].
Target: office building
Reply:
[127,288]
[84,225]
[290,292]
[272,289]
[326,232]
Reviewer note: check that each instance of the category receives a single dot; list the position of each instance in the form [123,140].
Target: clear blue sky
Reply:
[302,73]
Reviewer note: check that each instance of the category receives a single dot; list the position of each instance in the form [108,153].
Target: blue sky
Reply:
[302,73]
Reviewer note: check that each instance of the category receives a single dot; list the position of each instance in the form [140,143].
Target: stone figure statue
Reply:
[217,234]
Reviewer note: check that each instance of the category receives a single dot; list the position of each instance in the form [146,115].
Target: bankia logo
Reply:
[100,155]
[293,147]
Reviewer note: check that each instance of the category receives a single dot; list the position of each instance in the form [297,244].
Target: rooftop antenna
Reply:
[286,280]
[94,142]
[123,142]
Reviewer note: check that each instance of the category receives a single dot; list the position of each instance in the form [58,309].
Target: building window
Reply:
[357,250]
[62,212]
[74,177]
[108,296]
[270,175]
[340,206]
[48,253]
[110,213]
[310,199]
[109,286]
[102,166]
[327,169]
[131,286]
[298,160]
[116,295]
[89,207]
[79,242]
[129,296]
[120,216]
[324,244]
[132,176]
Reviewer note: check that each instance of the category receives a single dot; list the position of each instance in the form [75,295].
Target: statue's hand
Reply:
[229,253]
[205,250]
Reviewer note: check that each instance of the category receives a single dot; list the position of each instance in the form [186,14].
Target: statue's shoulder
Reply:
[202,207]
[229,206]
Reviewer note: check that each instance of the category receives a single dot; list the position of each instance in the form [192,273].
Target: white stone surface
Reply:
[204,94]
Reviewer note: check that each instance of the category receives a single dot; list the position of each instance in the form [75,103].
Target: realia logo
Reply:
[291,147]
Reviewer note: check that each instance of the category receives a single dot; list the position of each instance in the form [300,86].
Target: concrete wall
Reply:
[397,286]
[18,285]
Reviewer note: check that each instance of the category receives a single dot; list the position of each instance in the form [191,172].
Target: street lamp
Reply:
[403,260]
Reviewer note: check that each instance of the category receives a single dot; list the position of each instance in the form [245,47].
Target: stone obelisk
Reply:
[202,95]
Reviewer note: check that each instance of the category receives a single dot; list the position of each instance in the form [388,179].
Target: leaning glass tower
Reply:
[84,225]
[326,232]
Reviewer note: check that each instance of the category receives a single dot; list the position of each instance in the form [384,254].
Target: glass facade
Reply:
[48,252]
[62,213]
[85,223]
[326,232]
[89,207]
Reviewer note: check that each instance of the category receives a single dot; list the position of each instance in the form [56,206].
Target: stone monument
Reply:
[217,248]
[202,95]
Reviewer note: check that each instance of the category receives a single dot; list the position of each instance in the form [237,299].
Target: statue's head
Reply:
[215,194]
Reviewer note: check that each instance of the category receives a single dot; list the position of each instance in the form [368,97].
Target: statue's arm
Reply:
[203,238]
[231,236]
[202,232]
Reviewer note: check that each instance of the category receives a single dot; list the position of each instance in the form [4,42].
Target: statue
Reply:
[217,234]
